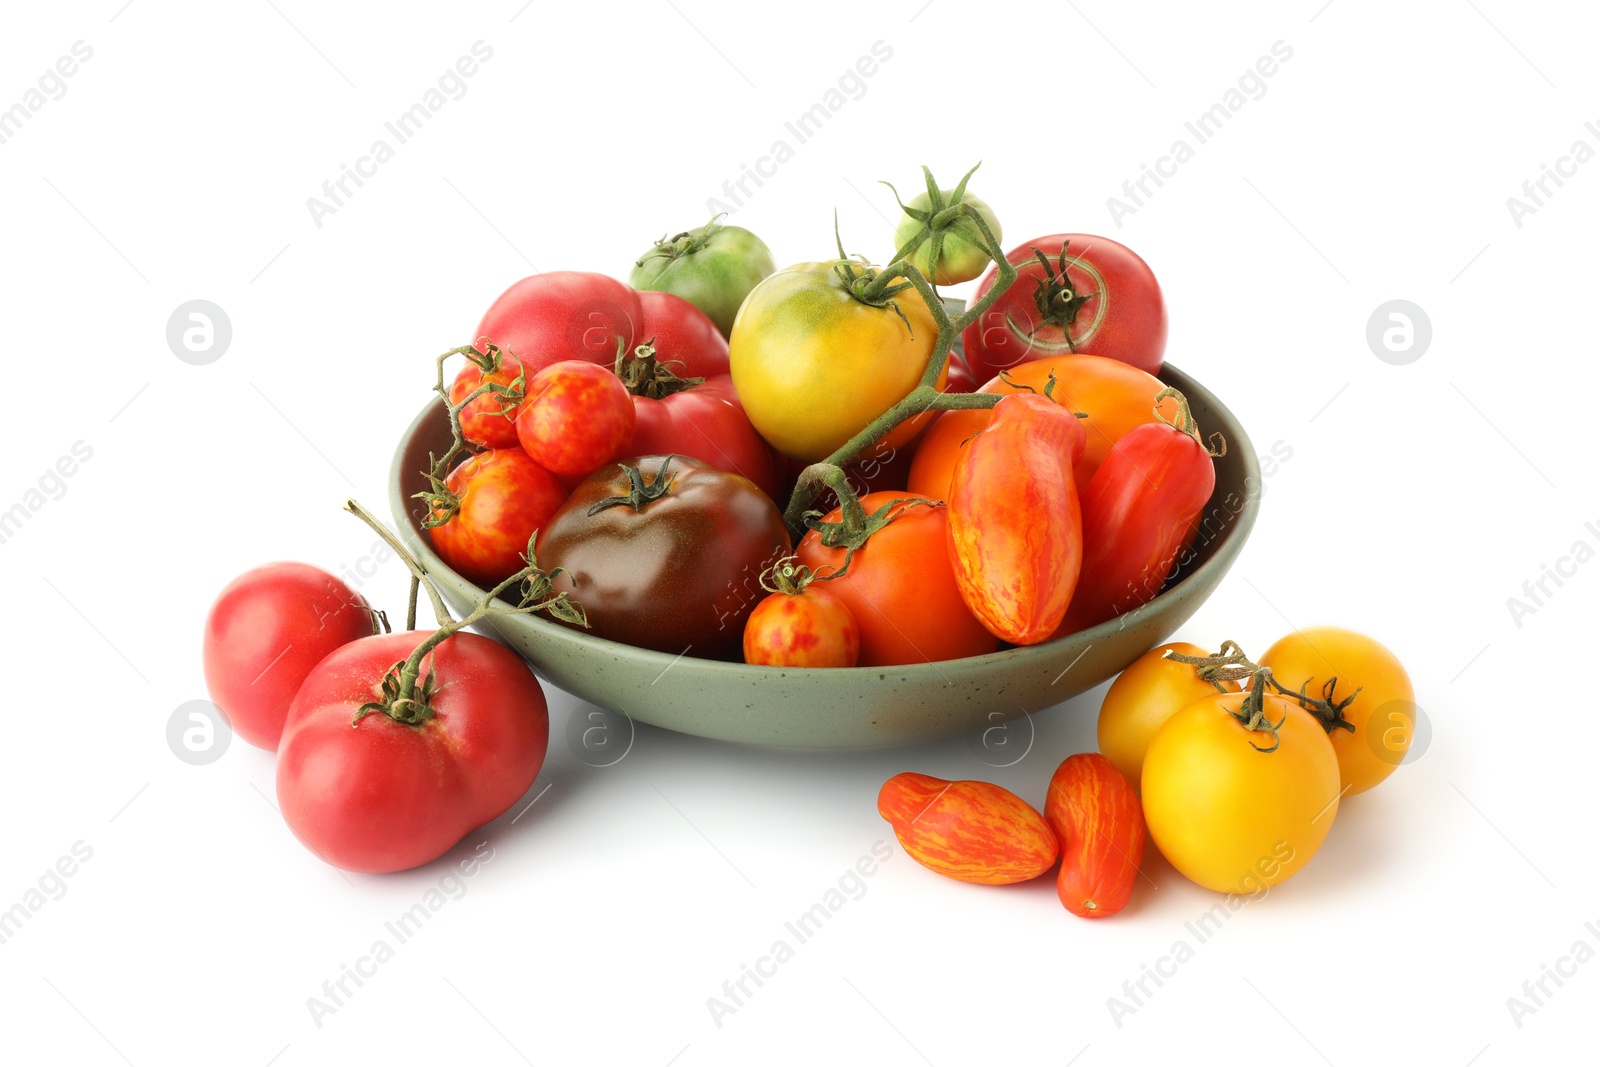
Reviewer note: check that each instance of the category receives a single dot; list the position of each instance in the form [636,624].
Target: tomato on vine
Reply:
[800,623]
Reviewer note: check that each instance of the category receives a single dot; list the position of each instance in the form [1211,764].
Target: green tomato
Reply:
[713,267]
[963,255]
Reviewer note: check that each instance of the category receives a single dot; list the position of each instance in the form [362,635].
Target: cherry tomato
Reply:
[386,795]
[576,419]
[489,420]
[1096,816]
[1016,535]
[813,365]
[1074,293]
[802,625]
[1145,696]
[900,586]
[1384,712]
[565,314]
[1115,396]
[666,553]
[266,630]
[500,498]
[1226,813]
[683,337]
[963,253]
[1139,511]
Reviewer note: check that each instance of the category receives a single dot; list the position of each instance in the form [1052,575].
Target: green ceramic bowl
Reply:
[860,706]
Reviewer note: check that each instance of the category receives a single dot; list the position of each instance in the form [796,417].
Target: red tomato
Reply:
[267,629]
[1097,818]
[810,628]
[698,418]
[684,338]
[1016,533]
[577,418]
[501,498]
[960,378]
[386,795]
[1087,294]
[489,420]
[1139,510]
[900,587]
[565,314]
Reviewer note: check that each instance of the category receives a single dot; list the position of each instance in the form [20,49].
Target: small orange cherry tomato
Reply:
[801,624]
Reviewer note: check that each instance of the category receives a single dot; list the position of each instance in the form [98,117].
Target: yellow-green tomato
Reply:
[962,254]
[813,365]
[1143,698]
[1229,816]
[1384,712]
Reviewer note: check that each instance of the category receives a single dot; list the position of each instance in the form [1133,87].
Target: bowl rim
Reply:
[1236,533]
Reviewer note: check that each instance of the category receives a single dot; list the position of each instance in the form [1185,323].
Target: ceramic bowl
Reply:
[860,706]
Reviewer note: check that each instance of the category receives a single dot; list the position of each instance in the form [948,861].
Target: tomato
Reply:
[1384,712]
[387,795]
[683,337]
[814,365]
[566,314]
[970,831]
[958,376]
[1016,535]
[577,418]
[1139,511]
[1227,814]
[713,267]
[1096,816]
[266,630]
[702,419]
[962,253]
[491,506]
[1143,697]
[1115,396]
[801,624]
[1074,293]
[900,586]
[489,420]
[666,553]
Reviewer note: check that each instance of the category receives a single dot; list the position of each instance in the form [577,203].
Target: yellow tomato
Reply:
[1226,814]
[1384,713]
[1143,698]
[813,365]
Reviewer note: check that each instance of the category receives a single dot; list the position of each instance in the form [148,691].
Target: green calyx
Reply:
[643,374]
[682,244]
[1055,298]
[938,215]
[640,493]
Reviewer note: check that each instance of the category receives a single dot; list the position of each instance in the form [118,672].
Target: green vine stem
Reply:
[1183,421]
[1230,664]
[405,692]
[875,288]
[441,614]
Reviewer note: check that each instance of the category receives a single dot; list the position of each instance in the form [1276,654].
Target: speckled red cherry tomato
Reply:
[578,417]
[490,419]
[501,498]
[801,624]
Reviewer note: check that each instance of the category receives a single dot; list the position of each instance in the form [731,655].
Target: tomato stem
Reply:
[441,614]
[645,375]
[1230,664]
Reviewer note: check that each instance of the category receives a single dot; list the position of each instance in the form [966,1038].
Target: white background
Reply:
[1417,500]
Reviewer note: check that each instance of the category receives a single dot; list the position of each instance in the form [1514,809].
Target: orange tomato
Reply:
[900,587]
[1115,396]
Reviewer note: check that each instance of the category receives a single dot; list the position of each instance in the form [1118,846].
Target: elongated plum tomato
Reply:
[1225,813]
[1096,816]
[1383,712]
[565,314]
[501,498]
[577,418]
[969,831]
[1114,396]
[267,629]
[385,795]
[900,586]
[809,628]
[1016,535]
[489,419]
[1139,511]
[713,267]
[1074,292]
[1143,698]
[665,553]
[813,365]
